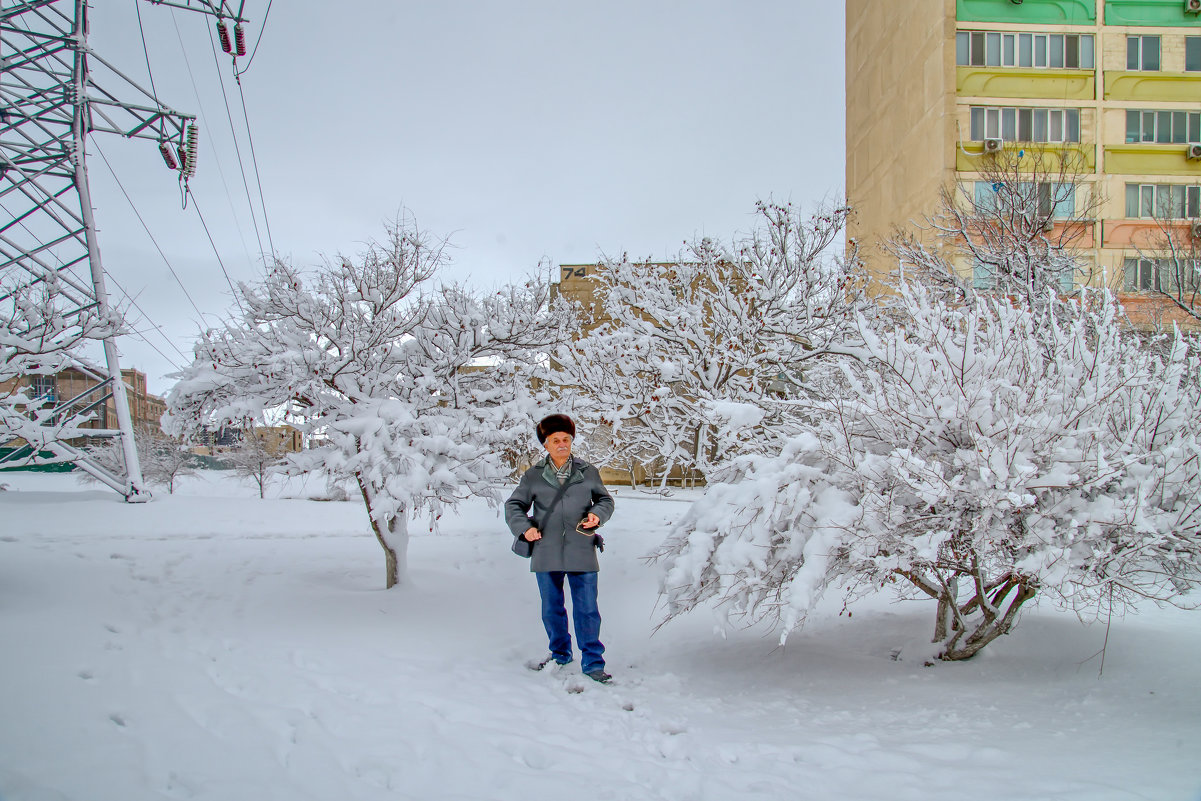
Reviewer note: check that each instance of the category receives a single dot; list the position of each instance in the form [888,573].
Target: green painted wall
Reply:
[1150,13]
[1046,12]
[58,467]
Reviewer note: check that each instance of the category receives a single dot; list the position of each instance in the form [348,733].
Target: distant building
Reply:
[577,283]
[145,409]
[935,87]
[277,439]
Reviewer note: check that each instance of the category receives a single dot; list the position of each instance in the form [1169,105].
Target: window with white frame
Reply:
[1163,201]
[1142,53]
[1047,199]
[1163,126]
[1041,50]
[1192,53]
[1162,275]
[1025,124]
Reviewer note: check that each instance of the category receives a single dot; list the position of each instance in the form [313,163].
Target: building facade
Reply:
[145,409]
[937,88]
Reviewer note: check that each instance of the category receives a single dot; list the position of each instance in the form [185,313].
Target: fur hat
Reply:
[553,423]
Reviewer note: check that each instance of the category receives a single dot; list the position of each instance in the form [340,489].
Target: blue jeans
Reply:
[583,610]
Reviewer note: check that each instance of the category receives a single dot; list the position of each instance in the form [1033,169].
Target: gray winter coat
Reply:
[561,546]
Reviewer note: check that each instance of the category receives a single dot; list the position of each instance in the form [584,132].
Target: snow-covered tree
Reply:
[409,390]
[42,332]
[257,457]
[163,459]
[691,357]
[1169,254]
[983,453]
[1018,225]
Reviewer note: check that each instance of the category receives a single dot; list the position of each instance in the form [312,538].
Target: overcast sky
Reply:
[523,131]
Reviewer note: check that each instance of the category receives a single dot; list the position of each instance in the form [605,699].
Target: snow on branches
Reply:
[42,330]
[981,454]
[412,391]
[695,356]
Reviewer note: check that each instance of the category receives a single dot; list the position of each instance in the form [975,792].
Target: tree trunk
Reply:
[962,631]
[393,536]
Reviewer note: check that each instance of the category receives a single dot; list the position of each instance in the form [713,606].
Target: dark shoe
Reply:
[599,676]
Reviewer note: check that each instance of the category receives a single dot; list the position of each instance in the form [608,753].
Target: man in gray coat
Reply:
[557,507]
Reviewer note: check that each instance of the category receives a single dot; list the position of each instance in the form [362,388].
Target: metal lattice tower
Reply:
[51,99]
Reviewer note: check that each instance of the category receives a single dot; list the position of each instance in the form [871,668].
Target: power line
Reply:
[216,159]
[145,51]
[146,228]
[262,28]
[237,148]
[132,301]
[258,176]
[228,280]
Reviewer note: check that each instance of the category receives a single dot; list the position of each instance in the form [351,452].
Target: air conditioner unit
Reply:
[1192,6]
[1195,229]
[993,144]
[1193,151]
[1048,226]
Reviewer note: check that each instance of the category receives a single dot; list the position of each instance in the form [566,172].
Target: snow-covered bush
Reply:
[983,453]
[693,357]
[408,389]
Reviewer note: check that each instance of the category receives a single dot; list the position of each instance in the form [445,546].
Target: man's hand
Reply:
[591,521]
[532,534]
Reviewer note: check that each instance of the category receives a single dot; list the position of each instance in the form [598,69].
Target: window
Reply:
[997,49]
[1046,200]
[1025,124]
[44,387]
[1192,53]
[984,278]
[1163,201]
[1142,53]
[1162,275]
[1164,127]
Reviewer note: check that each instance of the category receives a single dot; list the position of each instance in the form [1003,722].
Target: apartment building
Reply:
[937,88]
[145,409]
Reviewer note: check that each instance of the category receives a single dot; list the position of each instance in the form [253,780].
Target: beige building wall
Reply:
[900,133]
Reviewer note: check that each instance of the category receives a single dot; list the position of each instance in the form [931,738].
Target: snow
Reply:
[211,645]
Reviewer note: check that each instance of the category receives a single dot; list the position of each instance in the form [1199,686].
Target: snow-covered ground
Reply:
[210,645]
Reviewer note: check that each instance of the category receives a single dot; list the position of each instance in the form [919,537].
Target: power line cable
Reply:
[146,228]
[258,176]
[255,49]
[228,280]
[233,131]
[216,159]
[137,4]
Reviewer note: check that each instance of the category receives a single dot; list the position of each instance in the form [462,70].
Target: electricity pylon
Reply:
[51,99]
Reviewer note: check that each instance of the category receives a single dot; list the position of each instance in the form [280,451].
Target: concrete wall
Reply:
[900,136]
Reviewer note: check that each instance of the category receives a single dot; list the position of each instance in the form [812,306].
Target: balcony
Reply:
[1028,84]
[1145,158]
[1047,158]
[1172,87]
